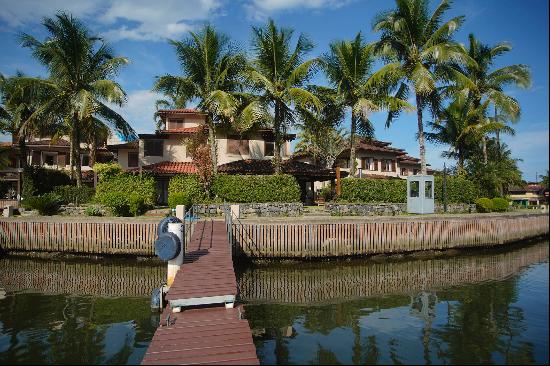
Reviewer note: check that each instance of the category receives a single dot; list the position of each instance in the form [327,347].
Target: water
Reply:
[491,307]
[481,307]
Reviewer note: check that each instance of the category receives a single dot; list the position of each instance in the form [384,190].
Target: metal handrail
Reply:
[229,224]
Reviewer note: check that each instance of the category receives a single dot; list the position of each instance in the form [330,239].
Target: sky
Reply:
[139,30]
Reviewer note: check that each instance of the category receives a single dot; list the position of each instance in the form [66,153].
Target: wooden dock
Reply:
[206,331]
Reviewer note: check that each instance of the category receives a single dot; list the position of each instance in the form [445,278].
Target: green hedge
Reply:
[459,190]
[38,180]
[74,195]
[484,205]
[185,189]
[374,190]
[256,188]
[500,204]
[127,194]
[47,204]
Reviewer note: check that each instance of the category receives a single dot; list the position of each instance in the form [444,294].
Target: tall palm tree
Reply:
[348,67]
[420,53]
[212,73]
[278,71]
[485,84]
[80,83]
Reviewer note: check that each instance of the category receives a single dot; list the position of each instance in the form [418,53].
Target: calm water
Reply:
[485,307]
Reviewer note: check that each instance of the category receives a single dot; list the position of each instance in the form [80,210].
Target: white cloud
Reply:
[143,19]
[259,9]
[139,110]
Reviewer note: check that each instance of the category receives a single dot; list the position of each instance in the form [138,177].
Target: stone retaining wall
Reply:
[388,209]
[268,209]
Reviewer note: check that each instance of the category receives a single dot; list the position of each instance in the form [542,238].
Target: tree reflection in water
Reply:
[496,320]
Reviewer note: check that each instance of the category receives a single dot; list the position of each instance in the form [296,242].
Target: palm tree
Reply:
[279,72]
[348,67]
[79,85]
[485,84]
[420,52]
[458,126]
[212,73]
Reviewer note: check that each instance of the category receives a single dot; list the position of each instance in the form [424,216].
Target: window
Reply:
[85,160]
[404,171]
[415,188]
[132,159]
[237,146]
[175,123]
[152,147]
[269,148]
[428,189]
[415,171]
[388,165]
[48,158]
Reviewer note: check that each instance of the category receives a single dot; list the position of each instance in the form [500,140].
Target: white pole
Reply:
[174,264]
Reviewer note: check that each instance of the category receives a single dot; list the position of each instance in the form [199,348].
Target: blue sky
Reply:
[138,29]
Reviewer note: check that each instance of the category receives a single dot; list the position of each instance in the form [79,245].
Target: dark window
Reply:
[132,159]
[152,147]
[175,123]
[269,148]
[403,171]
[49,159]
[428,190]
[415,171]
[237,146]
[85,160]
[415,188]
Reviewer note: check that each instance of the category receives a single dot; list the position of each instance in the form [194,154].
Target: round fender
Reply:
[167,246]
[163,224]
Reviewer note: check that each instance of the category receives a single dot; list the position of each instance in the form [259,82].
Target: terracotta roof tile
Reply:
[48,142]
[169,167]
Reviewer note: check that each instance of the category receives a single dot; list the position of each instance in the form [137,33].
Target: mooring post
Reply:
[174,264]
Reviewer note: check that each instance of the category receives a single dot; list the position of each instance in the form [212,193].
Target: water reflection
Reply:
[74,312]
[482,308]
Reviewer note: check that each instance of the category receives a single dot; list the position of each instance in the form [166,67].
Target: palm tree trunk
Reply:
[76,143]
[497,136]
[213,145]
[277,144]
[71,155]
[352,146]
[423,169]
[22,151]
[484,147]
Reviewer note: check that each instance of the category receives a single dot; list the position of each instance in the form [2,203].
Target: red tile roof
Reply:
[169,167]
[257,166]
[126,145]
[48,142]
[180,110]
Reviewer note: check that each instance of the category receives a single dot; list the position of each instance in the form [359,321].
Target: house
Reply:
[531,194]
[164,154]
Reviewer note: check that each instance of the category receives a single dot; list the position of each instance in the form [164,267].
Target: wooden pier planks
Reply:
[207,335]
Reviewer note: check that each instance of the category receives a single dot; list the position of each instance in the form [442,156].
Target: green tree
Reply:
[420,52]
[212,73]
[80,84]
[278,71]
[348,66]
[485,86]
[544,179]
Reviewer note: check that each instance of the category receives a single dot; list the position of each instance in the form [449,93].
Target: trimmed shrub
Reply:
[500,204]
[136,205]
[484,205]
[74,195]
[256,188]
[459,190]
[47,204]
[106,171]
[115,193]
[93,211]
[38,180]
[374,190]
[327,193]
[185,189]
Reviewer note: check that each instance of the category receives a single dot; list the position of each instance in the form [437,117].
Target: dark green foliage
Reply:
[74,195]
[459,190]
[93,211]
[47,204]
[37,180]
[374,190]
[327,193]
[500,204]
[106,171]
[256,188]
[484,205]
[116,193]
[185,189]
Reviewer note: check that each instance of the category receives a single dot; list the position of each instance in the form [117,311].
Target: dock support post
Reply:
[174,264]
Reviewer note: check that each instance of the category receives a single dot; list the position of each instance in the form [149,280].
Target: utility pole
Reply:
[444,188]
